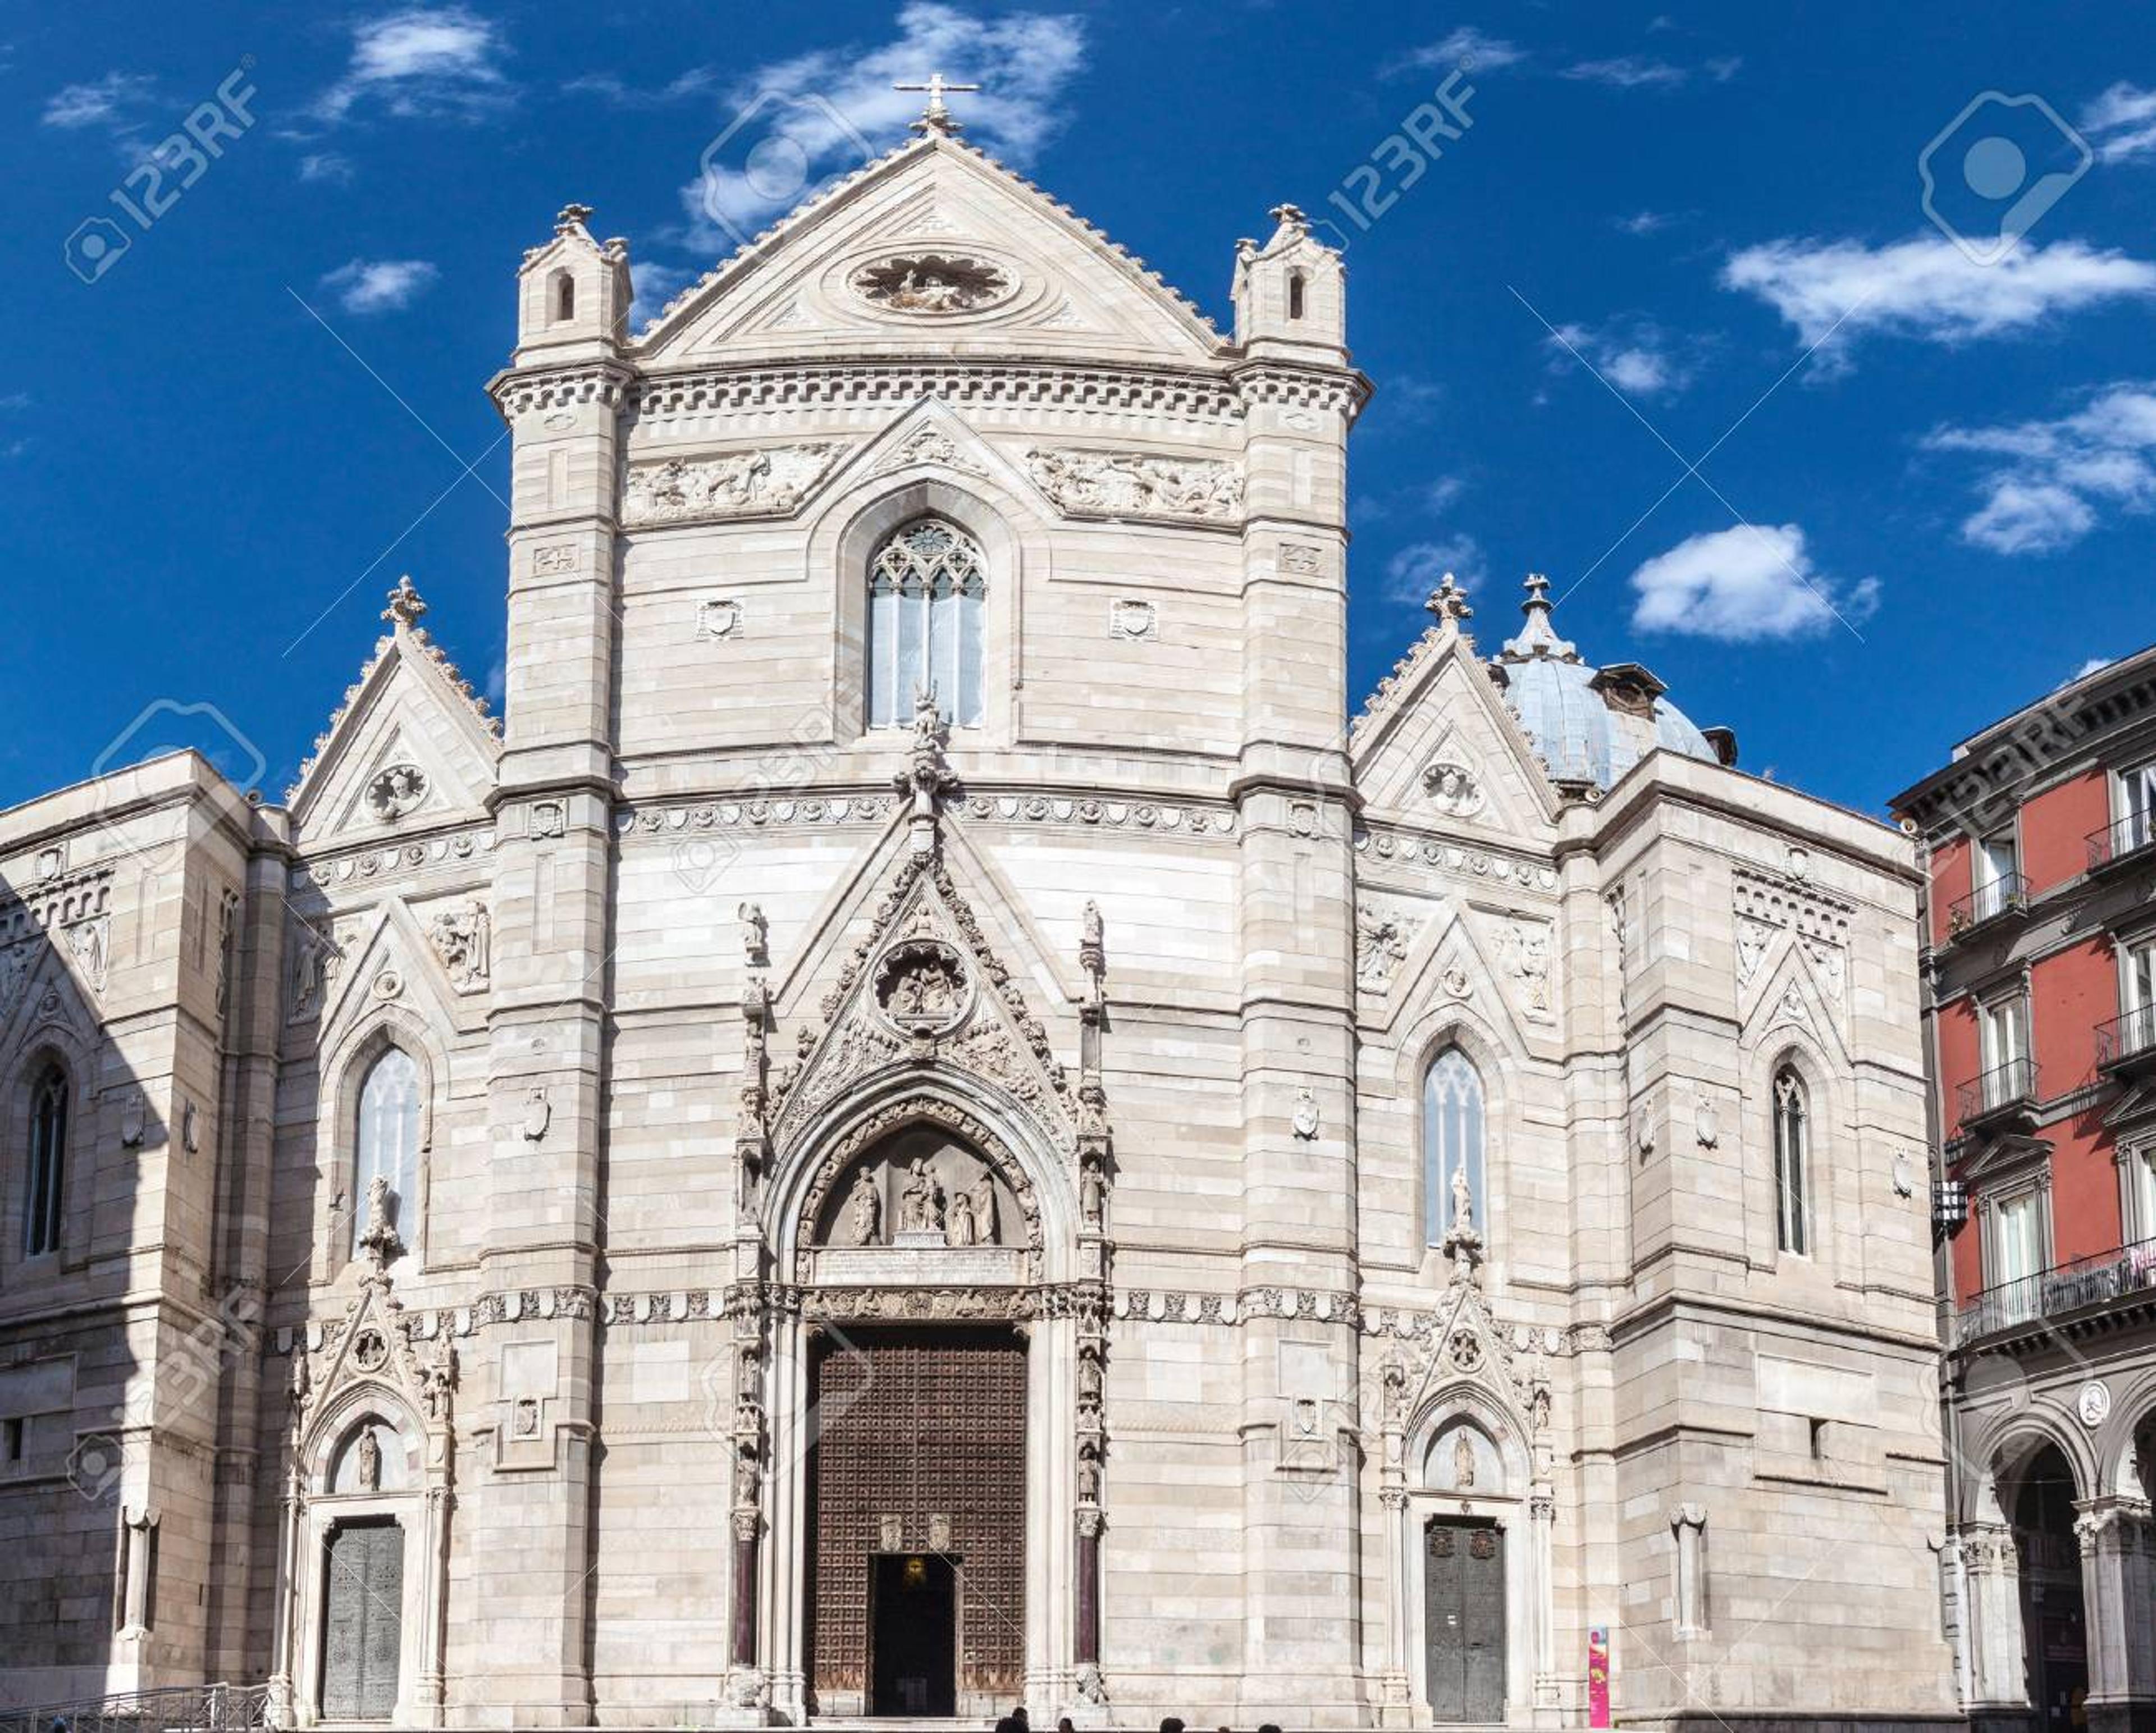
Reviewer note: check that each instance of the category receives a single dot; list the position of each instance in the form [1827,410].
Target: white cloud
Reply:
[655,285]
[1926,287]
[113,103]
[2095,665]
[1416,569]
[1627,72]
[421,63]
[1636,356]
[1472,50]
[2121,124]
[1742,585]
[1644,222]
[792,123]
[380,286]
[2047,482]
[326,166]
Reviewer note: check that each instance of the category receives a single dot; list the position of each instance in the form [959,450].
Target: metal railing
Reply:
[2009,891]
[2000,1090]
[2121,838]
[174,1709]
[2126,1038]
[2095,1280]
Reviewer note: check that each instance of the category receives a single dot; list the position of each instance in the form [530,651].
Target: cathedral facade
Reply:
[932,1125]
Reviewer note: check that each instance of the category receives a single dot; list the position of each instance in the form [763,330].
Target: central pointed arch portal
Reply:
[924,1379]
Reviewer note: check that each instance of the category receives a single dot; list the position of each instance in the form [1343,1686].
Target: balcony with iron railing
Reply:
[2122,839]
[2128,1044]
[2007,895]
[2004,1096]
[2099,1279]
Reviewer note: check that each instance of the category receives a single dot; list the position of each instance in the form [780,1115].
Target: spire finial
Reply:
[405,605]
[936,117]
[572,216]
[1448,602]
[1538,636]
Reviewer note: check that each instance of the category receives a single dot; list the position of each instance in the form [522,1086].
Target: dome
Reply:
[1590,725]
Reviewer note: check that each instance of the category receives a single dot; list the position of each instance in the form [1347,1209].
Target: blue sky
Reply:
[1924,449]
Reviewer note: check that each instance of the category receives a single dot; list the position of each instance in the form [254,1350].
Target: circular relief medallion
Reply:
[370,1352]
[922,987]
[931,284]
[2093,1404]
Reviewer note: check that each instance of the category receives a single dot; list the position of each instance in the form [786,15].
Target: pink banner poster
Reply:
[1598,1676]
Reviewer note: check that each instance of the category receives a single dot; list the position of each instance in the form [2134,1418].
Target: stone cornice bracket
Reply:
[927,778]
[1343,391]
[517,392]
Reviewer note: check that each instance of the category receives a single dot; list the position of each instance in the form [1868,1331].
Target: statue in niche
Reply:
[920,1204]
[960,1229]
[1463,1459]
[1463,1201]
[865,1212]
[369,1461]
[984,1211]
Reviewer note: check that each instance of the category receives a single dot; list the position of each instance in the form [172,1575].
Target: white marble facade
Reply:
[1154,948]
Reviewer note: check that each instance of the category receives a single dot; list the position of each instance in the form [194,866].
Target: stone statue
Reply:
[1463,1201]
[920,1204]
[756,934]
[865,1212]
[984,1211]
[1463,1458]
[369,1463]
[959,1230]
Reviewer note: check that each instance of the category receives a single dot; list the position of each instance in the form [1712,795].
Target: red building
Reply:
[2041,966]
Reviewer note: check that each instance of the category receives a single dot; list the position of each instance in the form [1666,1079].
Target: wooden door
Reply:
[362,1621]
[1464,1620]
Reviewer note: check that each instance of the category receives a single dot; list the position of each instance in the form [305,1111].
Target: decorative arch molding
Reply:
[849,525]
[871,1127]
[343,1069]
[368,1373]
[2004,1443]
[2132,1414]
[1493,1416]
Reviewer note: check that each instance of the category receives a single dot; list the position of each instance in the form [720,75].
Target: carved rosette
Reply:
[923,987]
[932,285]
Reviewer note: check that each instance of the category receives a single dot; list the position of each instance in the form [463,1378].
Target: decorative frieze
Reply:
[759,482]
[447,850]
[1406,848]
[1123,484]
[902,384]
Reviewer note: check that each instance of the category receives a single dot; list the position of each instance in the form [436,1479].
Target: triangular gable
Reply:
[47,983]
[1437,746]
[1055,284]
[924,984]
[409,711]
[1797,992]
[392,960]
[929,436]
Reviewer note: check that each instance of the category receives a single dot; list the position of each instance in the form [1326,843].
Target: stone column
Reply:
[1688,1523]
[2116,1583]
[1395,1694]
[1541,1608]
[286,1595]
[528,1503]
[1303,1517]
[2000,1689]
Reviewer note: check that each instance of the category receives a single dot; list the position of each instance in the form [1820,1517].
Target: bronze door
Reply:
[919,1452]
[362,1621]
[1464,1620]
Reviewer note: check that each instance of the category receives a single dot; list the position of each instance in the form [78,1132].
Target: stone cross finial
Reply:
[572,217]
[936,117]
[1289,215]
[1448,602]
[405,606]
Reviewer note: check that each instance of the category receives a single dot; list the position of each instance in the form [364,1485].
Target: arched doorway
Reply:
[921,1409]
[2054,1621]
